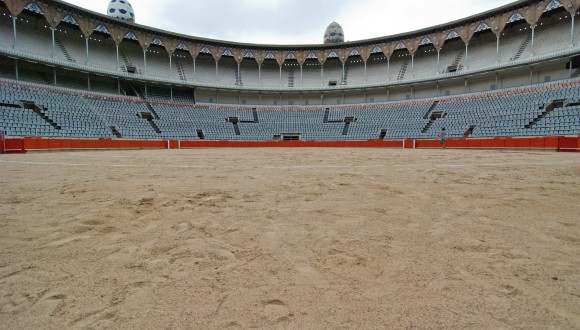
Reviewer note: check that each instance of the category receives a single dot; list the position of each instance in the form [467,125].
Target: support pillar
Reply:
[438,61]
[54,73]
[87,49]
[572,32]
[388,69]
[89,82]
[194,75]
[217,72]
[14,18]
[170,66]
[17,71]
[53,42]
[466,51]
[533,38]
[366,76]
[301,76]
[145,62]
[118,62]
[497,50]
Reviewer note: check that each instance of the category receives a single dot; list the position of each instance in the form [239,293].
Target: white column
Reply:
[497,50]
[217,79]
[145,62]
[14,18]
[53,43]
[170,66]
[533,38]
[194,75]
[260,74]
[572,33]
[118,63]
[438,61]
[280,75]
[87,48]
[413,65]
[16,68]
[466,50]
[322,75]
[366,76]
[301,76]
[89,82]
[388,69]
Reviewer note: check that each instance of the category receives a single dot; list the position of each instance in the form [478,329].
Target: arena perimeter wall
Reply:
[22,145]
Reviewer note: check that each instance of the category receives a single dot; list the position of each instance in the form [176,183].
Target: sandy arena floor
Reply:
[295,239]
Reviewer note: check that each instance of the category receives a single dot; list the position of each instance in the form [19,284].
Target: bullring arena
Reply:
[290,238]
[154,180]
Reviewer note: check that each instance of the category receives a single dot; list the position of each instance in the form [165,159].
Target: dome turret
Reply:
[334,34]
[122,10]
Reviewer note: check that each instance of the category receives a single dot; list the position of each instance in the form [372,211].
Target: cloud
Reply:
[296,21]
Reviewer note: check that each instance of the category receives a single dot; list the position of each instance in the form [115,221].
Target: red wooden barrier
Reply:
[292,144]
[568,144]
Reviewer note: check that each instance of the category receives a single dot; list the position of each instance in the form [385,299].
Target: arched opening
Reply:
[158,60]
[182,64]
[228,69]
[401,61]
[311,72]
[131,55]
[377,66]
[291,73]
[425,60]
[270,72]
[102,49]
[355,70]
[452,54]
[205,67]
[33,32]
[332,74]
[249,71]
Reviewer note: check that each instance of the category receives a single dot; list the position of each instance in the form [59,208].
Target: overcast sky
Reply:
[295,21]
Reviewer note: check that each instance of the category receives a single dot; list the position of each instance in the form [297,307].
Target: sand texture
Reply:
[290,239]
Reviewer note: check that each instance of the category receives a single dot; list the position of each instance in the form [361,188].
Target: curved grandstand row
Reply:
[69,72]
[516,40]
[539,110]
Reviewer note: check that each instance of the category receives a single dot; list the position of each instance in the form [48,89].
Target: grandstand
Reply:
[70,73]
